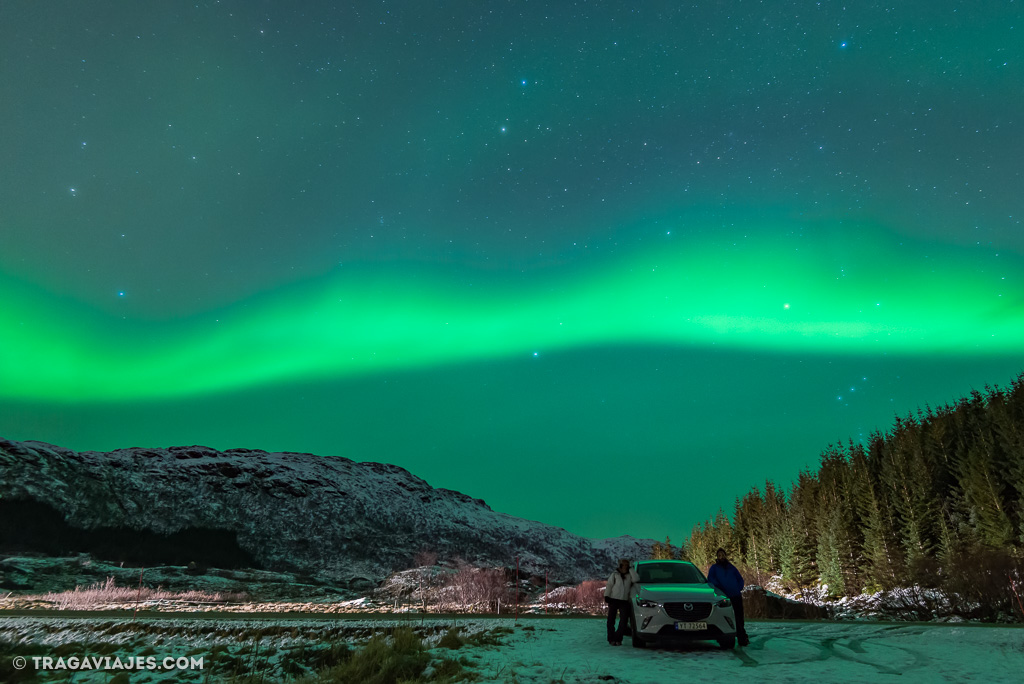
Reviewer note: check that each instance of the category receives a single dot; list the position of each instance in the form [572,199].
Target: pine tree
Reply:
[1007,416]
[985,493]
[983,476]
[878,558]
[756,537]
[740,532]
[840,528]
[909,488]
[723,535]
[829,551]
[803,542]
[939,449]
[662,551]
[774,515]
[699,549]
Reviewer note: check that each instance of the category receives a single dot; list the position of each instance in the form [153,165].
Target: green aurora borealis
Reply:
[865,301]
[574,261]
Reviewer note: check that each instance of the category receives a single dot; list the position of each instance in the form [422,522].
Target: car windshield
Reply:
[670,573]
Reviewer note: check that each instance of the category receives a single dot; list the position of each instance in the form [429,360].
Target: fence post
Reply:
[138,596]
[517,590]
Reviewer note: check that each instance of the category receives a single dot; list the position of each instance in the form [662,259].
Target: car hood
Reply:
[673,593]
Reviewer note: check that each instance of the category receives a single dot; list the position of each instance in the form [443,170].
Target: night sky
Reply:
[607,265]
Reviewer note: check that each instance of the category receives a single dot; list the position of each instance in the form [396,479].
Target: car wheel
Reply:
[638,641]
[727,643]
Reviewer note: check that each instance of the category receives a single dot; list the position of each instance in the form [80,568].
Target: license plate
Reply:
[691,626]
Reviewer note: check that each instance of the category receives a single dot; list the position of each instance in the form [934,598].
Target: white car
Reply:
[673,600]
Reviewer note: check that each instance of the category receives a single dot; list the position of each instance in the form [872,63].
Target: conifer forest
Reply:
[934,502]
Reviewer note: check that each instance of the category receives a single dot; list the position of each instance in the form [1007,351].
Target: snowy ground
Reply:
[538,650]
[576,651]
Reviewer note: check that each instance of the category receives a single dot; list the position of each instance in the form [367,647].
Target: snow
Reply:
[575,650]
[345,524]
[913,603]
[541,650]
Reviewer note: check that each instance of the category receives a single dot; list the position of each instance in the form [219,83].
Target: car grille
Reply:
[678,611]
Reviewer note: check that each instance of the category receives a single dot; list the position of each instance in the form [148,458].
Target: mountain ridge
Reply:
[349,522]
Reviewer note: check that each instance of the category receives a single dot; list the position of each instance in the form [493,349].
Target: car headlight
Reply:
[643,603]
[724,603]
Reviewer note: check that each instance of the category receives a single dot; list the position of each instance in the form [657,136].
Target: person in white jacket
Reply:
[617,594]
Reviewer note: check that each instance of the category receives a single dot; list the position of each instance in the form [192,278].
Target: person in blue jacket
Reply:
[724,576]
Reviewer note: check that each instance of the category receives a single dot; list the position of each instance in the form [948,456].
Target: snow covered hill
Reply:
[329,517]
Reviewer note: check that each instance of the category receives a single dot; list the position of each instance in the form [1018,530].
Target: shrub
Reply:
[451,639]
[758,603]
[448,669]
[8,651]
[425,558]
[384,661]
[491,637]
[752,576]
[475,589]
[587,596]
[985,584]
[323,658]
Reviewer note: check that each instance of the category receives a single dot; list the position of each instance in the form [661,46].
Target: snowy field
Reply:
[544,650]
[823,652]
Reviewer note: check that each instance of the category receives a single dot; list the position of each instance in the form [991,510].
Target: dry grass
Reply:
[107,593]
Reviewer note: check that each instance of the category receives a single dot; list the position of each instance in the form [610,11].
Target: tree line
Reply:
[935,501]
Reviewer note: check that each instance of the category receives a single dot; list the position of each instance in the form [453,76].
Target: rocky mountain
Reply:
[331,518]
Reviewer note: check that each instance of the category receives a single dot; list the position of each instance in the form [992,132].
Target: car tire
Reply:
[638,641]
[727,643]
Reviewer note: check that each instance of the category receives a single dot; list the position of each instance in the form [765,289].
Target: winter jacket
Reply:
[619,588]
[726,579]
